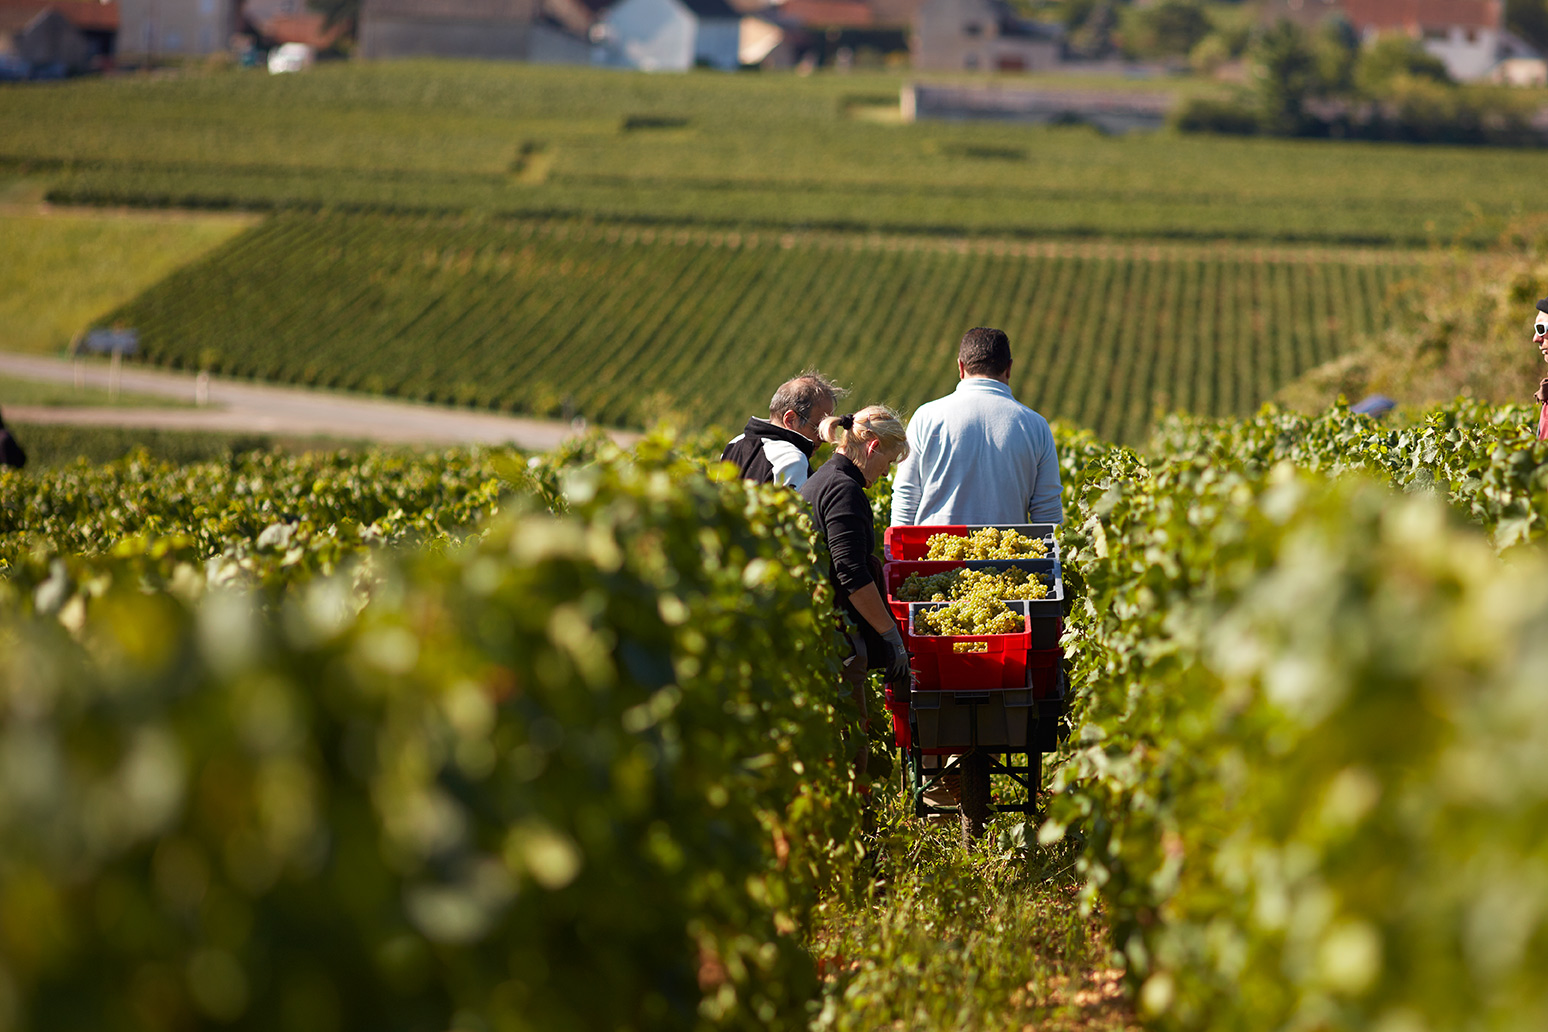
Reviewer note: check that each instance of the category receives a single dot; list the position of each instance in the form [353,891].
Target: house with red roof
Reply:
[55,37]
[1464,34]
[1468,36]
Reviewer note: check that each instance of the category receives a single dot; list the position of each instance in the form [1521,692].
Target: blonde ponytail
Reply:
[872,423]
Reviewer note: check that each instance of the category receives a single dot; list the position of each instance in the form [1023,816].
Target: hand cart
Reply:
[973,726]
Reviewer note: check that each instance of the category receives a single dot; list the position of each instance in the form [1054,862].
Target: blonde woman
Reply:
[866,444]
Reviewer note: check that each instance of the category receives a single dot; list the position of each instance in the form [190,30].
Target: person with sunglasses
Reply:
[778,450]
[1540,338]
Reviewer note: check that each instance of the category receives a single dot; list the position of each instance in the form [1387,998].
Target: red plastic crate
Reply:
[898,707]
[1043,672]
[1046,626]
[910,544]
[895,573]
[939,667]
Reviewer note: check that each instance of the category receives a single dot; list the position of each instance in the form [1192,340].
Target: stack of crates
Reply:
[961,699]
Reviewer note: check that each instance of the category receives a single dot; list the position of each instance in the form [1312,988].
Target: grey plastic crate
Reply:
[1031,530]
[944,719]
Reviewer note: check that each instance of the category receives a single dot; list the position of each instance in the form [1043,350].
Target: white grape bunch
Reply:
[974,615]
[988,543]
[1012,583]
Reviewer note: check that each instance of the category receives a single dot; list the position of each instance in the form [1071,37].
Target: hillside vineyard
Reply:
[625,325]
[749,152]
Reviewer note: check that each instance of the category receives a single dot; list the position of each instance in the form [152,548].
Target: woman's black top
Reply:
[842,514]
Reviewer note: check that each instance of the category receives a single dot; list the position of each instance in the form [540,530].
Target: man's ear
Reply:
[790,420]
[961,370]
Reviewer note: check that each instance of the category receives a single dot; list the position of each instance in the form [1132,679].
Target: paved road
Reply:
[238,407]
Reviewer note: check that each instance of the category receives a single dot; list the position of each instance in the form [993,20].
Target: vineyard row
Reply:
[626,327]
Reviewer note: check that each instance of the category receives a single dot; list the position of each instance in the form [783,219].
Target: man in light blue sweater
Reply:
[978,456]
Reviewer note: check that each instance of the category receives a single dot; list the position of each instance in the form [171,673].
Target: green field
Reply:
[628,326]
[62,395]
[749,151]
[61,271]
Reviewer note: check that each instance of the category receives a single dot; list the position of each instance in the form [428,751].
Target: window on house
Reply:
[1435,34]
[972,29]
[1471,35]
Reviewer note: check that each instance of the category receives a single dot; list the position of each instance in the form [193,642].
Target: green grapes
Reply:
[988,543]
[975,614]
[1013,583]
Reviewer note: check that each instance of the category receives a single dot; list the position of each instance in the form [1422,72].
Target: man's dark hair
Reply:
[801,393]
[984,352]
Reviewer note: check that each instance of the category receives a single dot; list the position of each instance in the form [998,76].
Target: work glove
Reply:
[897,666]
[1542,393]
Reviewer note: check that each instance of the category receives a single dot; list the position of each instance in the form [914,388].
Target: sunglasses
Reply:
[1541,329]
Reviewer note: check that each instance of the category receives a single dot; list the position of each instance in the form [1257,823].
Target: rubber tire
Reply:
[975,796]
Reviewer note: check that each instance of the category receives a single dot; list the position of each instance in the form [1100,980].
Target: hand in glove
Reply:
[1542,393]
[897,668]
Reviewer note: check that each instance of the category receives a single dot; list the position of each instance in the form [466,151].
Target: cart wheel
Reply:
[975,796]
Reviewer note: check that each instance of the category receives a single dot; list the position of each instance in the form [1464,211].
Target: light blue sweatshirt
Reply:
[977,456]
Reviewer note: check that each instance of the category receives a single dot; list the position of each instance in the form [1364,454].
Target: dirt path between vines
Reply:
[231,406]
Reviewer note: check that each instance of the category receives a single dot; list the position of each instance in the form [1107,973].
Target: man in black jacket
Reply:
[778,450]
[11,453]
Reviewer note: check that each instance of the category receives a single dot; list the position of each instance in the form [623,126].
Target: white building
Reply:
[150,29]
[670,35]
[1466,35]
[981,36]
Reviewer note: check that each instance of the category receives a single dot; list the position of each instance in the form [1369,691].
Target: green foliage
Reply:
[1338,51]
[1465,329]
[1166,29]
[55,445]
[1392,55]
[576,772]
[60,271]
[270,514]
[659,323]
[1302,799]
[947,940]
[1285,70]
[1215,115]
[1325,84]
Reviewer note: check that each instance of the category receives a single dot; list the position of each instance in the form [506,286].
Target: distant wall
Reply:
[550,46]
[405,37]
[174,28]
[1110,111]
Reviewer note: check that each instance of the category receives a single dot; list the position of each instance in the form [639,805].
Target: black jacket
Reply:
[842,514]
[11,453]
[764,449]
